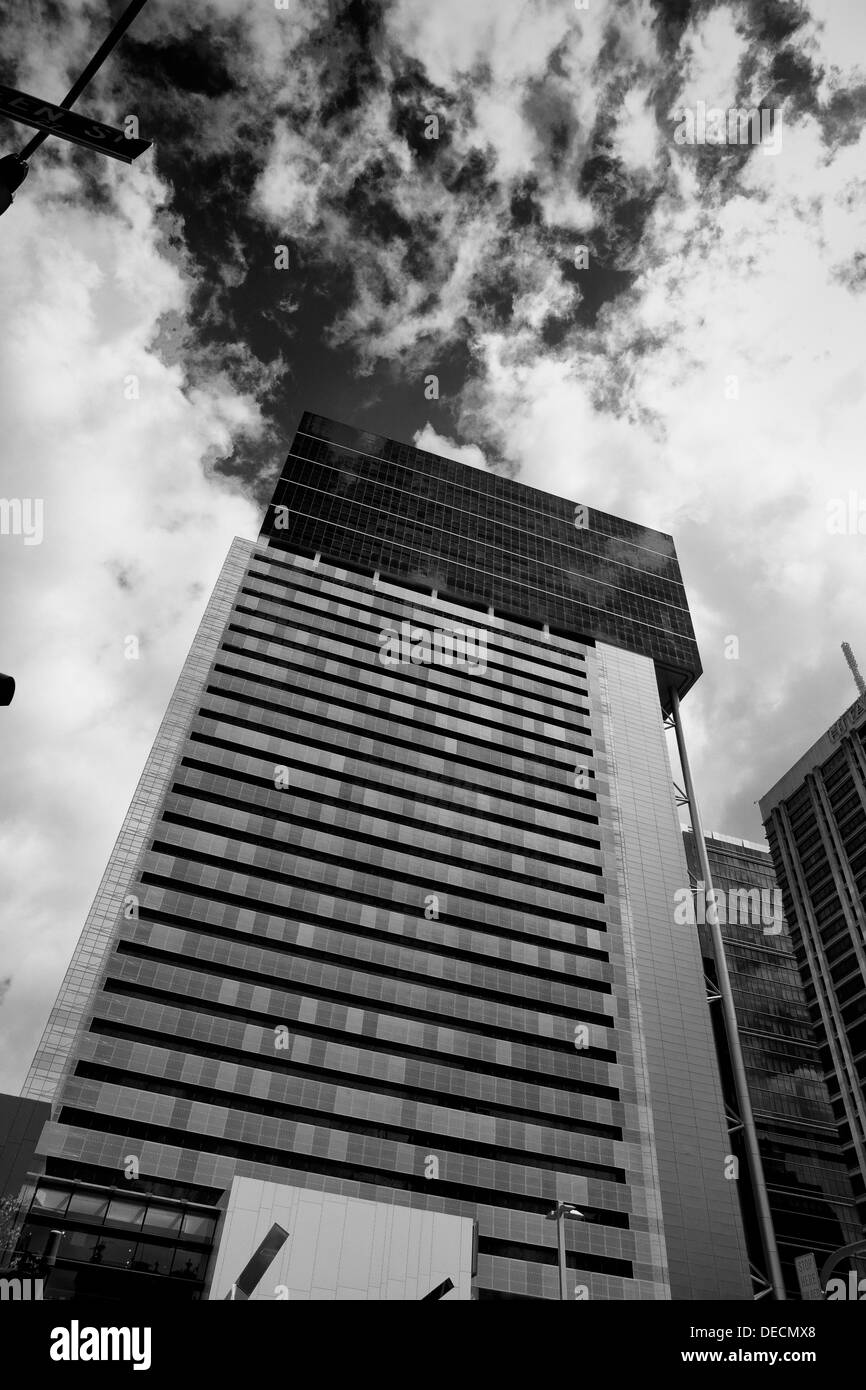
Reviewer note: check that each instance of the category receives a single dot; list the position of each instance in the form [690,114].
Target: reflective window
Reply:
[114,1250]
[127,1213]
[87,1205]
[77,1245]
[188,1264]
[153,1259]
[162,1219]
[199,1227]
[51,1199]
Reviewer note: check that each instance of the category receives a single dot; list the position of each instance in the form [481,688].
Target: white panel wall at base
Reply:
[340,1247]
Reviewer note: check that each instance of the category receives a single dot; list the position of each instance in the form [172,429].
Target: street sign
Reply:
[70,125]
[807,1277]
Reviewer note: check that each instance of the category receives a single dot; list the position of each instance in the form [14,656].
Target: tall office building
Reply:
[810,1194]
[21,1124]
[390,920]
[815,817]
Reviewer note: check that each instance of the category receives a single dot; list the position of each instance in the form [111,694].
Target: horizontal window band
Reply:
[143,951]
[432,1017]
[318,619]
[186,1045]
[510,596]
[259,1153]
[210,795]
[353,837]
[409,1051]
[399,879]
[242,1105]
[383,491]
[183,885]
[340,686]
[238,749]
[71,1170]
[468,1195]
[124,989]
[411,741]
[544,1255]
[363,933]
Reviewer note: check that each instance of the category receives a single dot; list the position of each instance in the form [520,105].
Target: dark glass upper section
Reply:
[374,504]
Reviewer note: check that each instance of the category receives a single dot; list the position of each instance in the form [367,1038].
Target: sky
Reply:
[344,200]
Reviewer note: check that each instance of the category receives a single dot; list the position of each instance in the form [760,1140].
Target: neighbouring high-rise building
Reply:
[810,1194]
[815,818]
[21,1124]
[390,920]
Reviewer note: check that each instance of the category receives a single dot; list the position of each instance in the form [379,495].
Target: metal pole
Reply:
[750,1134]
[560,1245]
[93,66]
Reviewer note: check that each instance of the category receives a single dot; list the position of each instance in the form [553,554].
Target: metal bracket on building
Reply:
[761,1288]
[735,1124]
[713,995]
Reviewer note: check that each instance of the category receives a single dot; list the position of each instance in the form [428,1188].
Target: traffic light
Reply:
[13,172]
[7,689]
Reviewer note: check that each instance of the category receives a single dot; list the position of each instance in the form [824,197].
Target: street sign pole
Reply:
[69,125]
[60,120]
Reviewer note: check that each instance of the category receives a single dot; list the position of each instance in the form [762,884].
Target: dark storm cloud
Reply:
[422,244]
[773,21]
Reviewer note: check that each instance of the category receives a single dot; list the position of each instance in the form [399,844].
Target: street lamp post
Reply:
[563,1211]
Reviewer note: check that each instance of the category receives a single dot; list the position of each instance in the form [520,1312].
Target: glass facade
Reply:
[165,1246]
[815,819]
[21,1124]
[364,500]
[810,1194]
[379,928]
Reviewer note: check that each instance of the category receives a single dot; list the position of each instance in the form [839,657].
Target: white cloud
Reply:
[433,443]
[636,136]
[500,123]
[715,50]
[839,33]
[745,290]
[514,38]
[135,533]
